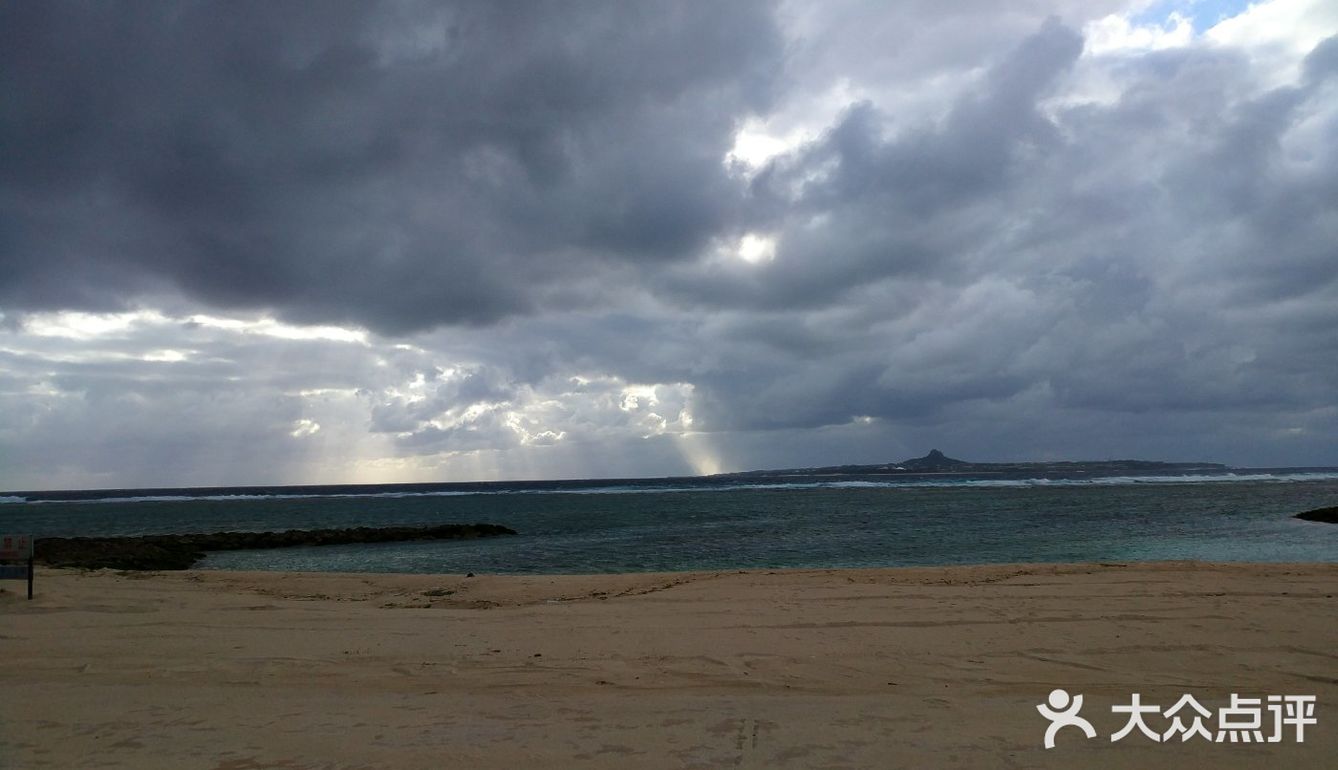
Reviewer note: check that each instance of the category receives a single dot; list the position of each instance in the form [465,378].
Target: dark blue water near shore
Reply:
[682,524]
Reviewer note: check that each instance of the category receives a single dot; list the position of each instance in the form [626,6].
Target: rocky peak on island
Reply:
[934,461]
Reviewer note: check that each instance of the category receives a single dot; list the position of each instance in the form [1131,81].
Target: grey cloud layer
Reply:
[536,197]
[398,165]
[1173,250]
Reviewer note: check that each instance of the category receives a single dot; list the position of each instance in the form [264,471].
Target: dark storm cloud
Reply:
[1170,251]
[398,165]
[903,206]
[994,239]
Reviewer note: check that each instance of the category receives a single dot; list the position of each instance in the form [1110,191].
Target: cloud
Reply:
[1166,250]
[392,165]
[408,242]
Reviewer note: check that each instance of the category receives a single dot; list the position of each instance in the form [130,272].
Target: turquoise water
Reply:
[686,525]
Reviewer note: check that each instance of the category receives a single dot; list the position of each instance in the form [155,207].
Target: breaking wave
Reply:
[707,486]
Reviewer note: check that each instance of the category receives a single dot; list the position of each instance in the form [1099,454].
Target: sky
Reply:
[292,243]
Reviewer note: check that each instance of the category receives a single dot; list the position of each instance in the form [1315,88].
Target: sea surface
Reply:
[736,523]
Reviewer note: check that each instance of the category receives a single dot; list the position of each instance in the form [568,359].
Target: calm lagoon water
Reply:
[688,524]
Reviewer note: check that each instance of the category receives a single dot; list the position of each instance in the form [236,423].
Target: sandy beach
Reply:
[938,667]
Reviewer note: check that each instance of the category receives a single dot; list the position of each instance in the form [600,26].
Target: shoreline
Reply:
[909,570]
[1190,564]
[922,666]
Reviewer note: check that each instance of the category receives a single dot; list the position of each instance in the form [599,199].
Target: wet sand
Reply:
[937,667]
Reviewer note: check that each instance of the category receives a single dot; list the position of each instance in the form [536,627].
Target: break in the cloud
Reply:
[402,241]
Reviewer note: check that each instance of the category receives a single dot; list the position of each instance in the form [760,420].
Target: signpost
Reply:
[17,548]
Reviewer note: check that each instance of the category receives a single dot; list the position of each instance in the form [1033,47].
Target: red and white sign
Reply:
[16,547]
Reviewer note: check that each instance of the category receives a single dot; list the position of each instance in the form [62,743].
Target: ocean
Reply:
[717,523]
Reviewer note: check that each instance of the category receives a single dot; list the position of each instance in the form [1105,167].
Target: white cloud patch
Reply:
[304,427]
[88,326]
[1277,35]
[269,327]
[1118,34]
[756,249]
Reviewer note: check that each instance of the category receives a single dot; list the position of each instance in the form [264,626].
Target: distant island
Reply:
[938,463]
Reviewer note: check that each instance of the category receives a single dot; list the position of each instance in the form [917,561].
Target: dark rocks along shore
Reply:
[165,552]
[1327,515]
